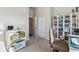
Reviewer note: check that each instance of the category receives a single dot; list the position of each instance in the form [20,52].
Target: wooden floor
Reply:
[37,45]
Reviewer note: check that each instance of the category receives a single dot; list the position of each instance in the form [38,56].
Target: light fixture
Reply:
[1,32]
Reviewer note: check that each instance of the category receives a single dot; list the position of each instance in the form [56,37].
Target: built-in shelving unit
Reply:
[65,24]
[74,22]
[61,26]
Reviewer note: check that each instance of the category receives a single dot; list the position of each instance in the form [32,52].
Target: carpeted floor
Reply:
[36,45]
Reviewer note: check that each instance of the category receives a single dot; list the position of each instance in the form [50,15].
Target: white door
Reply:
[41,27]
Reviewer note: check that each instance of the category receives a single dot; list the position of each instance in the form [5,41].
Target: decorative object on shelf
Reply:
[10,27]
[18,28]
[76,9]
[73,11]
[21,34]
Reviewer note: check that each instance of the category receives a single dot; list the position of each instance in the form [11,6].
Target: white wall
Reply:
[31,12]
[2,47]
[42,11]
[14,16]
[44,14]
[61,10]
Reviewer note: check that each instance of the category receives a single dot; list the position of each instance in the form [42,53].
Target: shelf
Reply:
[16,41]
[18,45]
[60,27]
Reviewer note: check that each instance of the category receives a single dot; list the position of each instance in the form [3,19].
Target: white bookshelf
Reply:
[74,23]
[74,17]
[60,27]
[14,43]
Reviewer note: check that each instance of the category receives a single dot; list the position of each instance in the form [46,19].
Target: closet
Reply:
[43,25]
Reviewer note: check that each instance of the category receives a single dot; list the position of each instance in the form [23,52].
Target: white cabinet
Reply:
[15,40]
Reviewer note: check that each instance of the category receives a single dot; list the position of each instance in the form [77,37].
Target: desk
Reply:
[60,45]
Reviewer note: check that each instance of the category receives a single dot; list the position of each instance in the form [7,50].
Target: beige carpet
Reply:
[36,45]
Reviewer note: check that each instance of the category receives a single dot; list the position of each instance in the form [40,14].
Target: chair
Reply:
[57,45]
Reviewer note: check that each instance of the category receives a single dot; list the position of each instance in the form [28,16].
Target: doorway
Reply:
[33,27]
